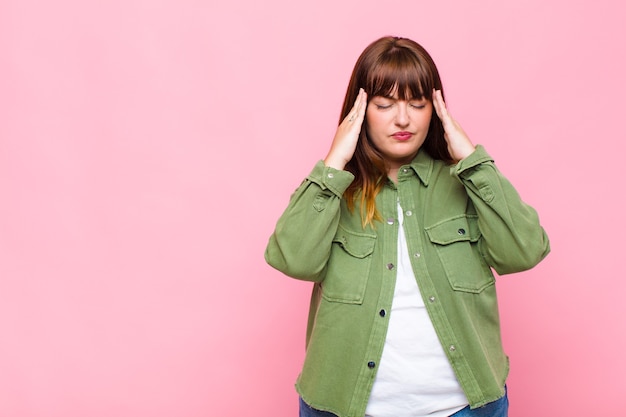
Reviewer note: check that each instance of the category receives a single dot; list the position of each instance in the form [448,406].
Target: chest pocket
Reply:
[348,267]
[456,243]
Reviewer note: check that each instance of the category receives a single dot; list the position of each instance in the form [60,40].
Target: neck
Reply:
[393,174]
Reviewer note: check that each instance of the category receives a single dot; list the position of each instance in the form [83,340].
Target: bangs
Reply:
[402,72]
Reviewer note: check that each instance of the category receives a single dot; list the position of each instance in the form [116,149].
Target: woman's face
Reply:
[398,128]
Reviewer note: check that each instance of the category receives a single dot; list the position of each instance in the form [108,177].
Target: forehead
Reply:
[399,83]
[408,95]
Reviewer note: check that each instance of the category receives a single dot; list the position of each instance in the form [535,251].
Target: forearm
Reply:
[512,237]
[301,242]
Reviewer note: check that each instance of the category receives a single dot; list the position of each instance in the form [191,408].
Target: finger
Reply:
[352,113]
[439,104]
[442,111]
[358,110]
[362,104]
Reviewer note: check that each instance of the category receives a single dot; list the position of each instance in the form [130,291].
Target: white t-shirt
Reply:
[414,378]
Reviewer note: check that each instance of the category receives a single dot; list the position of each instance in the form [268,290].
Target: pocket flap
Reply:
[356,244]
[456,229]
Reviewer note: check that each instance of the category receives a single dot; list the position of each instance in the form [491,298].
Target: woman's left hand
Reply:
[459,144]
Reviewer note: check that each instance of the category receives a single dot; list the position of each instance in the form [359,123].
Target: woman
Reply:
[399,228]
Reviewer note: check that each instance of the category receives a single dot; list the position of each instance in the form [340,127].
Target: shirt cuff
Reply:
[332,179]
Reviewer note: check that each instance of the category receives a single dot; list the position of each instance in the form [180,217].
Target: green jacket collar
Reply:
[423,164]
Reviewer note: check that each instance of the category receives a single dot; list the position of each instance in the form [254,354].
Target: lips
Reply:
[402,135]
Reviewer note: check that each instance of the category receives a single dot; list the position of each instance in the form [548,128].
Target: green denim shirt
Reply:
[460,222]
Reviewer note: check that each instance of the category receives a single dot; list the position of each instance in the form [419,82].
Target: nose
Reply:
[402,114]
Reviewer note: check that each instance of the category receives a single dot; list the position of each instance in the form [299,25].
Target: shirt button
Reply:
[417,254]
[452,348]
[382,313]
[390,221]
[405,170]
[331,175]
[371,365]
[390,266]
[461,232]
[431,299]
[409,213]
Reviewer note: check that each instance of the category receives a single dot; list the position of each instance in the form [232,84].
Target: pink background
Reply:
[148,147]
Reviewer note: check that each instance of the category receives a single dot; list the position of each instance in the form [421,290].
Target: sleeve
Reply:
[512,237]
[301,243]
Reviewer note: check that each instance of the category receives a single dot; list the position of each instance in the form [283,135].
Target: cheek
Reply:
[424,118]
[373,120]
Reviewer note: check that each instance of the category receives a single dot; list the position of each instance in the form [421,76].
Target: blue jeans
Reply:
[308,411]
[498,408]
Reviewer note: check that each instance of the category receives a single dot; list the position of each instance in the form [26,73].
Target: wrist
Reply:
[460,155]
[336,163]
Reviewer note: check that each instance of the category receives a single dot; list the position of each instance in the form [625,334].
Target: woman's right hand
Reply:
[347,136]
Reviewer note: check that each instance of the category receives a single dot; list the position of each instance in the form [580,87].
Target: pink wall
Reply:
[148,147]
